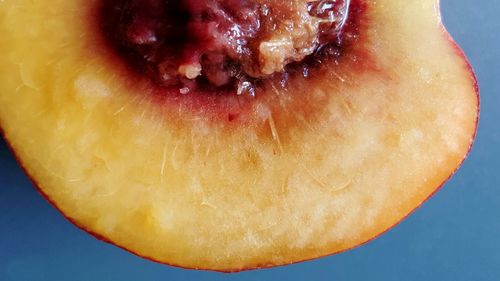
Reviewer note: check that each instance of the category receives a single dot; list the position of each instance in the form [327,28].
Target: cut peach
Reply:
[298,169]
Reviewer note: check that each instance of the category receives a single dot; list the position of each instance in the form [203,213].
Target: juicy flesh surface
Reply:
[178,188]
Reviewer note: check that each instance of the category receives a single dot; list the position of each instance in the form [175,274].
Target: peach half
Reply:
[300,168]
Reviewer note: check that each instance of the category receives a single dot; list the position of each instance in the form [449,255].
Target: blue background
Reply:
[454,236]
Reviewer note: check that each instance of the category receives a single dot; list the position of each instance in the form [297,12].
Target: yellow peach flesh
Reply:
[192,193]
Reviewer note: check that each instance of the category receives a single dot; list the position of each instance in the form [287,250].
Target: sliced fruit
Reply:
[312,166]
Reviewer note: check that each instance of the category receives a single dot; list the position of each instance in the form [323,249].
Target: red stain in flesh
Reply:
[200,96]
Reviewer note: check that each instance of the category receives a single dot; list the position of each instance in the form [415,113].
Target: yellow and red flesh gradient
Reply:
[222,104]
[226,182]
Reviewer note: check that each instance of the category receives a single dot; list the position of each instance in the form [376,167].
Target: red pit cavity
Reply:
[197,45]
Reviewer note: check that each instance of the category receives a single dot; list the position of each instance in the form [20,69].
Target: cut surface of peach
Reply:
[227,183]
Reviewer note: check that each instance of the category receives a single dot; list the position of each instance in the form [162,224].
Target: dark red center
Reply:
[188,44]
